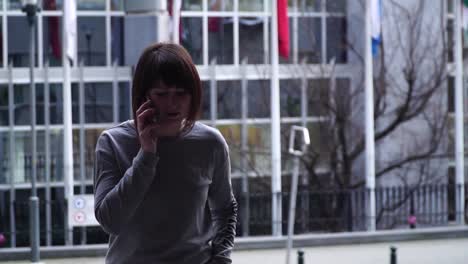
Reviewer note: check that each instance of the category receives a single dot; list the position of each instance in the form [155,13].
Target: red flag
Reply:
[283,28]
[54,34]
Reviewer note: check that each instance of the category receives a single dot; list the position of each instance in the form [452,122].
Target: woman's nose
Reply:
[172,100]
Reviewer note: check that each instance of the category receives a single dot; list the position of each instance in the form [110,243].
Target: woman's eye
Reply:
[161,94]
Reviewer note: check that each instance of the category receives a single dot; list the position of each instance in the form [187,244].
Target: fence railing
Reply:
[317,211]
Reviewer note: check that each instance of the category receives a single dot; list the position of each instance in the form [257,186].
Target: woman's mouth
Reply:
[173,115]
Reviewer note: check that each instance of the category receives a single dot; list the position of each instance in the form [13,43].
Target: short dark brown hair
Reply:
[172,65]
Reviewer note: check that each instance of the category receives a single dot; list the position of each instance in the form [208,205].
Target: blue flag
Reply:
[376,25]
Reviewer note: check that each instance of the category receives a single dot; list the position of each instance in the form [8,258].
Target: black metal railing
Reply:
[317,211]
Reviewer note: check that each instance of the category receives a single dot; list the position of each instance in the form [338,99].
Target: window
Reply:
[117,5]
[251,39]
[52,40]
[258,99]
[91,41]
[336,39]
[221,5]
[192,5]
[249,5]
[220,40]
[205,107]
[4,117]
[450,94]
[91,4]
[318,93]
[310,39]
[229,99]
[18,41]
[117,40]
[125,104]
[290,96]
[14,4]
[52,5]
[22,95]
[98,106]
[336,6]
[192,37]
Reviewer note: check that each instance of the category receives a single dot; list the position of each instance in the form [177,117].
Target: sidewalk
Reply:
[450,251]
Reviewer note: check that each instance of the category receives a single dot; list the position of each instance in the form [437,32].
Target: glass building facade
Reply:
[229,40]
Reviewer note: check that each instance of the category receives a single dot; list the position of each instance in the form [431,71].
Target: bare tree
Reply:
[411,119]
[410,77]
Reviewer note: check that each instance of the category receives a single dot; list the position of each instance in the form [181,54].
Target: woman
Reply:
[162,181]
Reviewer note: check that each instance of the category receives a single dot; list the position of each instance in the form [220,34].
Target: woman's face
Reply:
[173,105]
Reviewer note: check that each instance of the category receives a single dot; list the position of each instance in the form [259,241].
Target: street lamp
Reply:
[30,7]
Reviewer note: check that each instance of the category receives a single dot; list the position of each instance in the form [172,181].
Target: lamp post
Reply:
[30,7]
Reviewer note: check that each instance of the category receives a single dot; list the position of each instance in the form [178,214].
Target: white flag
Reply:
[376,24]
[465,22]
[70,29]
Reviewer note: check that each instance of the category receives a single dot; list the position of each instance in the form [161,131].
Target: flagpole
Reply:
[176,5]
[459,144]
[68,17]
[31,10]
[275,126]
[369,120]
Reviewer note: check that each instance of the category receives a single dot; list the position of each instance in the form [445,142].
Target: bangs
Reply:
[168,68]
[172,65]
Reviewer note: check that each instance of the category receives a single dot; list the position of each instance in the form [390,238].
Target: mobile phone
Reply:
[157,116]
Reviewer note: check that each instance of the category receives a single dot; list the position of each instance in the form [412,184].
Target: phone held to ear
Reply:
[157,116]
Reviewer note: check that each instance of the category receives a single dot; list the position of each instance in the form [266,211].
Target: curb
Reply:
[264,242]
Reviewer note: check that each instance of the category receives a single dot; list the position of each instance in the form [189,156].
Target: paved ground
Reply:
[445,251]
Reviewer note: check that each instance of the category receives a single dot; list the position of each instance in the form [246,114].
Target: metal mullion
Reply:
[117,13]
[315,14]
[130,102]
[90,13]
[47,156]
[295,36]
[40,40]
[14,13]
[244,136]
[25,128]
[81,103]
[265,121]
[213,93]
[304,106]
[4,36]
[266,32]
[11,145]
[51,12]
[236,33]
[26,186]
[251,14]
[115,96]
[323,20]
[205,33]
[221,13]
[335,14]
[192,13]
[108,34]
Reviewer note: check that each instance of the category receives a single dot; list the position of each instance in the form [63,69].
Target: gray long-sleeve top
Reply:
[173,207]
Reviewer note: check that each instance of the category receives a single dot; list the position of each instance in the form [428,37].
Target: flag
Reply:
[174,7]
[214,23]
[70,28]
[376,24]
[465,22]
[54,34]
[283,29]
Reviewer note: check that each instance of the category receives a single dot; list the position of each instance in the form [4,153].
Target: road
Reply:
[442,251]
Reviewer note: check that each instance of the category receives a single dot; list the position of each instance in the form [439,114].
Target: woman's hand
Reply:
[147,128]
